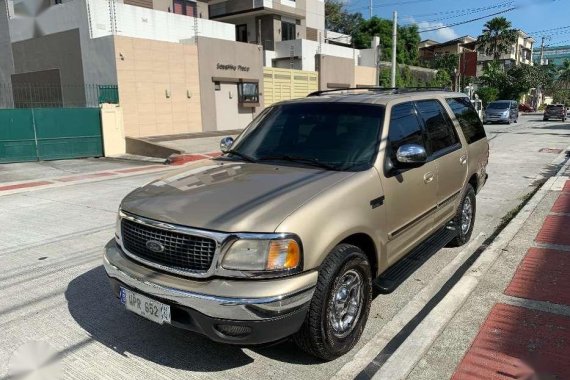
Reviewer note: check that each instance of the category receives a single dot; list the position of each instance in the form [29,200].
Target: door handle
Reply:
[463,159]
[428,177]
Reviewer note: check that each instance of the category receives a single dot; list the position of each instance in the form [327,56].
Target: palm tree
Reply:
[497,38]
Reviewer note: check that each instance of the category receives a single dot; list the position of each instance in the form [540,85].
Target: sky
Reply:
[548,18]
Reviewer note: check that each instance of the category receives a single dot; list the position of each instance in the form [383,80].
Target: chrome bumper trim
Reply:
[247,309]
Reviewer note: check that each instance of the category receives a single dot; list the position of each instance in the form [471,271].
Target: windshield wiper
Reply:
[241,155]
[303,160]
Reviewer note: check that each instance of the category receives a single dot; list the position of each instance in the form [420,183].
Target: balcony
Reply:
[237,8]
[231,7]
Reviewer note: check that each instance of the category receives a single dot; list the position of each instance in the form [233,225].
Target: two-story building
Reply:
[520,52]
[180,66]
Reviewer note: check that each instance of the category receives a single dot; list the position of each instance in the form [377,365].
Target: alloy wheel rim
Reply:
[466,215]
[346,304]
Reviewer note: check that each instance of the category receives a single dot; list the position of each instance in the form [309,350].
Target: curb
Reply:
[181,159]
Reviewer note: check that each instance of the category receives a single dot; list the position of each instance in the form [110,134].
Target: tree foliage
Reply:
[407,43]
[487,94]
[497,38]
[339,19]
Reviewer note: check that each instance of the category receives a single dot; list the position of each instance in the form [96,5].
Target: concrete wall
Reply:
[113,130]
[308,49]
[220,61]
[6,60]
[162,5]
[140,22]
[335,72]
[159,89]
[54,51]
[364,76]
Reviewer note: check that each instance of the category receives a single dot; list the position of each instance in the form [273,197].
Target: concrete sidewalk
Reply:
[531,339]
[516,322]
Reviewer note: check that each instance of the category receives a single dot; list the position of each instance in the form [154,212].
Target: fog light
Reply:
[234,330]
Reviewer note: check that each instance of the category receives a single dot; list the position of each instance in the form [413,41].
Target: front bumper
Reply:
[496,119]
[269,309]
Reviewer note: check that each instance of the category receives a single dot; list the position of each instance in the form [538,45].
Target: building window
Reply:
[248,92]
[287,31]
[241,33]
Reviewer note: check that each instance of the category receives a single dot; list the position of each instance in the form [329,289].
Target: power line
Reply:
[505,5]
[468,21]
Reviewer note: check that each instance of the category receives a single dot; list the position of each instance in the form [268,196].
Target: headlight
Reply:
[263,255]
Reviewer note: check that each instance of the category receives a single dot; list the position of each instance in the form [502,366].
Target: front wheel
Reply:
[464,218]
[339,309]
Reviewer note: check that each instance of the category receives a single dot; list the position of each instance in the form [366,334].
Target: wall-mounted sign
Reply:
[221,66]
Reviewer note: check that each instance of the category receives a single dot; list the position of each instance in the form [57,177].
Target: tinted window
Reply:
[341,135]
[468,119]
[498,106]
[439,131]
[405,128]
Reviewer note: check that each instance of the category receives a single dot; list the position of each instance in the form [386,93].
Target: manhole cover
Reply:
[550,150]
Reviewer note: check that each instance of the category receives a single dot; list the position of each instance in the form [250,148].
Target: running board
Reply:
[399,272]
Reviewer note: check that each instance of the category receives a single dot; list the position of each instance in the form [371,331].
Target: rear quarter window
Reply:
[468,118]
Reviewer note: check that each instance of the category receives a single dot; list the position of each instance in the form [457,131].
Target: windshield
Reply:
[337,136]
[498,106]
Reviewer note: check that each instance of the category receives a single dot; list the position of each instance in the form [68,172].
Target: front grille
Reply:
[181,251]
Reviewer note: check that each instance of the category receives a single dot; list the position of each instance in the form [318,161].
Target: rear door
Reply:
[447,153]
[410,194]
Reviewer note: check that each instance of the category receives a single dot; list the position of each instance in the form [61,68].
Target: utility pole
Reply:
[370,7]
[394,50]
[542,51]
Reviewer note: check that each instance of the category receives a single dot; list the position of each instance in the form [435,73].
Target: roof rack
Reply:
[393,90]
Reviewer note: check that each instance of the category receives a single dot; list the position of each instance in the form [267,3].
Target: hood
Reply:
[230,196]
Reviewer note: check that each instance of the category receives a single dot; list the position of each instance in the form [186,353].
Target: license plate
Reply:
[145,307]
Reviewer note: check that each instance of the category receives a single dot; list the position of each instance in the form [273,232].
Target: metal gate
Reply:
[31,134]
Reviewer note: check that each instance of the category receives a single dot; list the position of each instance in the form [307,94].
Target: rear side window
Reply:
[438,127]
[468,118]
[405,128]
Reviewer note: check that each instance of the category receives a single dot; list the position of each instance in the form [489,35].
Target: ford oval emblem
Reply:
[155,246]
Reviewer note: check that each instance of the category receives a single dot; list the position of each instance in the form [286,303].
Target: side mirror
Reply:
[411,155]
[226,144]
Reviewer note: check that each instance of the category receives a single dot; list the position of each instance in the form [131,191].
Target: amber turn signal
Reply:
[283,255]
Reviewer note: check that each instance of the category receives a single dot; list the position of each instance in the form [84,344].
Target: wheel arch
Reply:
[367,245]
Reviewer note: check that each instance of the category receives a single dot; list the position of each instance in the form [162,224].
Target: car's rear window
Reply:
[555,106]
[468,118]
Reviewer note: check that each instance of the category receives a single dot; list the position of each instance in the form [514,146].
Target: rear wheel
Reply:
[464,218]
[544,119]
[339,309]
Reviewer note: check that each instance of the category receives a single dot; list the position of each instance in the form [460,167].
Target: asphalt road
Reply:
[54,288]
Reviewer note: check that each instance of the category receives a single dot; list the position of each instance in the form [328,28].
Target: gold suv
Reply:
[284,235]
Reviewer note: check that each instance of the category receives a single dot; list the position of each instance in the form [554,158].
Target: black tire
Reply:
[544,119]
[317,336]
[463,236]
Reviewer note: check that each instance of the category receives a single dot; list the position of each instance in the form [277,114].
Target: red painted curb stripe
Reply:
[132,170]
[24,185]
[555,230]
[566,187]
[84,176]
[516,343]
[543,275]
[562,204]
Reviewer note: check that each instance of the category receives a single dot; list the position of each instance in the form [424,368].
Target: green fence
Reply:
[49,134]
